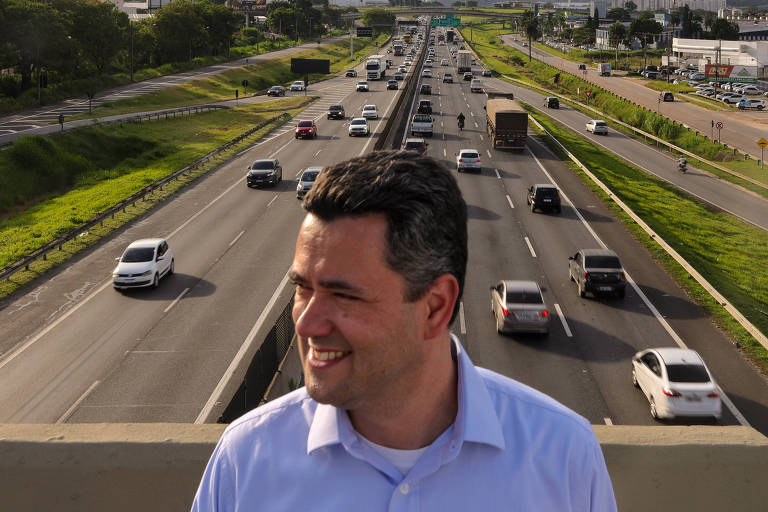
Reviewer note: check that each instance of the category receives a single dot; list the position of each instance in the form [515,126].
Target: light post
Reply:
[130,27]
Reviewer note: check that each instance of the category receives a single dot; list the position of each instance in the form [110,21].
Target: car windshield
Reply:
[309,176]
[414,145]
[275,88]
[334,107]
[358,121]
[600,123]
[602,262]
[523,297]
[369,107]
[469,155]
[687,373]
[138,254]
[262,165]
[305,124]
[422,118]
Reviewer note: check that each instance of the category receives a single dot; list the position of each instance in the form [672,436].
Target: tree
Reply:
[724,29]
[618,13]
[630,5]
[379,19]
[583,36]
[709,19]
[180,31]
[101,31]
[644,29]
[596,20]
[531,29]
[616,34]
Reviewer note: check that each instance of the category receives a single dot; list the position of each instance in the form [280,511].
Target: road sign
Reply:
[364,32]
[719,125]
[762,143]
[445,22]
[588,93]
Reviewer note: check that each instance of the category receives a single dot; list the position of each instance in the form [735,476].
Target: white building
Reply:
[744,60]
[653,5]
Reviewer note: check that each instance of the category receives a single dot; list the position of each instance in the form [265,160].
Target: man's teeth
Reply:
[327,355]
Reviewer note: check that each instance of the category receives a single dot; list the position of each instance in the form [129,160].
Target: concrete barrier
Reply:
[157,467]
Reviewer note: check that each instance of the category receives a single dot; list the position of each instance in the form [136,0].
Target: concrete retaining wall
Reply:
[156,467]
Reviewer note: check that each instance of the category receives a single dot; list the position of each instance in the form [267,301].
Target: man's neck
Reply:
[418,419]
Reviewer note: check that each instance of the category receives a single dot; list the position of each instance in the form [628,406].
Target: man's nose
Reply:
[312,317]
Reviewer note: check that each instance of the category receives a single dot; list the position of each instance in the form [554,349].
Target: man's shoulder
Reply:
[523,403]
[289,409]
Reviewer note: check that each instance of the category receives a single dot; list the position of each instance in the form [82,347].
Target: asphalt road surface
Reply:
[75,350]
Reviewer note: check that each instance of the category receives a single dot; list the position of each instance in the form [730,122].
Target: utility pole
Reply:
[130,25]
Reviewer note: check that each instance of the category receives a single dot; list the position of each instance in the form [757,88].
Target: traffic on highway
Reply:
[559,295]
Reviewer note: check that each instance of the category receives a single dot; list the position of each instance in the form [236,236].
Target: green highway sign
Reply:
[445,22]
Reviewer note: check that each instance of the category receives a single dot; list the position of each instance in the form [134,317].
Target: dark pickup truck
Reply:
[336,112]
[597,271]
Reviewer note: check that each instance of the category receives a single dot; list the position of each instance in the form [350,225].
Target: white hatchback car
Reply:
[143,263]
[468,160]
[362,86]
[676,382]
[298,85]
[427,73]
[597,127]
[370,112]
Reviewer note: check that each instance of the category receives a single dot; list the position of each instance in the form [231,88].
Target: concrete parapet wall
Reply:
[156,467]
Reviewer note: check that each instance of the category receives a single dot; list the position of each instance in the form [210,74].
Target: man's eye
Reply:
[345,296]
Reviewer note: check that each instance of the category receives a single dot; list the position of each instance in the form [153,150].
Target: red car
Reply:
[306,128]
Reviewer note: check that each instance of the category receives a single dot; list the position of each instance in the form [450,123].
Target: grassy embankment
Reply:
[726,251]
[222,86]
[631,61]
[508,61]
[89,170]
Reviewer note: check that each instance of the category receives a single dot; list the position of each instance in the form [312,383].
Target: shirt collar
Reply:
[476,420]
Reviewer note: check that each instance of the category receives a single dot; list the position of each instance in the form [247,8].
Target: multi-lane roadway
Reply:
[75,350]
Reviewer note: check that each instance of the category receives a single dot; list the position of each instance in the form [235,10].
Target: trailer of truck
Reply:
[604,68]
[464,61]
[507,123]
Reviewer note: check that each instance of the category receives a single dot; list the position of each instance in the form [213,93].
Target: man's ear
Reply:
[440,300]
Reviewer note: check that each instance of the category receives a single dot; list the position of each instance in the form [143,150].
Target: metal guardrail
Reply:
[716,295]
[57,244]
[156,115]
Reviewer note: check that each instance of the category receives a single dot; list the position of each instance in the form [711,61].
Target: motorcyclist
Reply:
[460,118]
[682,163]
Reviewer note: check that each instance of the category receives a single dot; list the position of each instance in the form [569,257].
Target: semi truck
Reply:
[464,61]
[374,67]
[604,68]
[449,35]
[507,123]
[398,48]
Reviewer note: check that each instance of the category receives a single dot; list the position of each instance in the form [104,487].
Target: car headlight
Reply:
[146,273]
[298,187]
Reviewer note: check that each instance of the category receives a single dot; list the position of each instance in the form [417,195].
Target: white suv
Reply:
[597,127]
[468,160]
[359,126]
[298,85]
[143,264]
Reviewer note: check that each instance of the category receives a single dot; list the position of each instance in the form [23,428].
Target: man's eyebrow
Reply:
[333,284]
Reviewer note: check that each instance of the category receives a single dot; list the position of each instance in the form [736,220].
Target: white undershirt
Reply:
[403,460]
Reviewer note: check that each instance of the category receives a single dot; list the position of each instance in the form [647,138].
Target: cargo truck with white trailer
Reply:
[464,61]
[375,67]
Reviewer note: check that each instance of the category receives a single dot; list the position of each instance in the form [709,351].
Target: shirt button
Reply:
[405,488]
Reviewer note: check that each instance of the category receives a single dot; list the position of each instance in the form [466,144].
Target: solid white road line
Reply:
[234,241]
[75,405]
[530,247]
[509,200]
[663,321]
[272,200]
[176,300]
[562,321]
[216,395]
[462,323]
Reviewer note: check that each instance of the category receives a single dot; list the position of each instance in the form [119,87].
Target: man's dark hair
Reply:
[425,211]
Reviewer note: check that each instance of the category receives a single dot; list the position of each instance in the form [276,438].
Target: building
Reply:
[655,5]
[600,5]
[744,61]
[753,30]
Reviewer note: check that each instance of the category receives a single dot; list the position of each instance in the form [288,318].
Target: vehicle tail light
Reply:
[622,276]
[670,392]
[544,314]
[461,160]
[507,312]
[713,394]
[586,276]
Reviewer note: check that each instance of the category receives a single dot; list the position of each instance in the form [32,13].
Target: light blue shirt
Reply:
[510,448]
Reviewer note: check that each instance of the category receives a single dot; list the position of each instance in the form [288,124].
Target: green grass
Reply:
[168,145]
[222,86]
[729,253]
[513,63]
[632,60]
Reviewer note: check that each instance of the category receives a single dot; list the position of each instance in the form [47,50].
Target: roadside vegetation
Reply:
[50,185]
[510,62]
[628,60]
[728,252]
[222,86]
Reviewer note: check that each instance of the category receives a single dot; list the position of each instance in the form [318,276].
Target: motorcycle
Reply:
[461,124]
[683,167]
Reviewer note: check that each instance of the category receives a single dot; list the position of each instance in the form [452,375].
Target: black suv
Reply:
[551,102]
[426,89]
[264,172]
[597,271]
[425,107]
[336,112]
[544,197]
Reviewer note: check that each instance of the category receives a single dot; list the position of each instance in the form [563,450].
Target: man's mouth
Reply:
[326,356]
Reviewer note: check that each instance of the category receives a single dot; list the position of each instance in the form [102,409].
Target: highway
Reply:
[740,130]
[75,350]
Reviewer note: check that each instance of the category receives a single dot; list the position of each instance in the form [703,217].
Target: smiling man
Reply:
[394,415]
